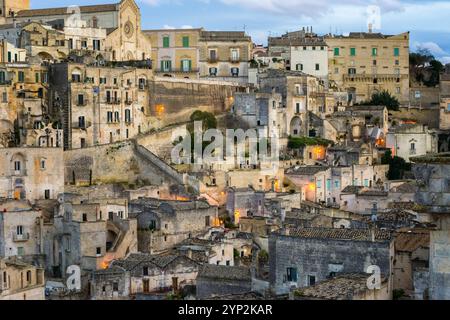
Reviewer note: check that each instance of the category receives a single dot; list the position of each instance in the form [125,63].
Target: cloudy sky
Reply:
[428,21]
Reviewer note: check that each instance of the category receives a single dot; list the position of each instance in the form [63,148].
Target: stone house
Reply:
[20,281]
[175,52]
[225,55]
[412,252]
[362,200]
[363,63]
[223,280]
[110,284]
[21,230]
[99,105]
[158,273]
[217,252]
[244,202]
[302,257]
[31,173]
[411,140]
[163,224]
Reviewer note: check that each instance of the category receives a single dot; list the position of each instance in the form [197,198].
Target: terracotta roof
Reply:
[411,241]
[63,10]
[338,234]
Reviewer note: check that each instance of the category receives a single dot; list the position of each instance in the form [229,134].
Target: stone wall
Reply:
[209,287]
[174,100]
[316,257]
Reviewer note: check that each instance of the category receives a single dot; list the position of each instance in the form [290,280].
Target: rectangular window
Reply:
[127,115]
[299,67]
[374,52]
[297,107]
[186,42]
[235,72]
[37,77]
[213,72]
[20,251]
[166,65]
[212,55]
[115,286]
[47,194]
[81,122]
[337,184]
[81,100]
[207,221]
[109,115]
[21,76]
[17,165]
[319,184]
[19,230]
[448,107]
[396,52]
[353,52]
[328,184]
[291,274]
[99,251]
[311,280]
[166,42]
[317,67]
[336,52]
[235,55]
[366,183]
[145,271]
[186,65]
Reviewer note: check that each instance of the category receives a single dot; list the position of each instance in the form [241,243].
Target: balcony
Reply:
[129,101]
[371,77]
[82,103]
[112,101]
[77,125]
[412,152]
[235,60]
[213,60]
[21,237]
[179,70]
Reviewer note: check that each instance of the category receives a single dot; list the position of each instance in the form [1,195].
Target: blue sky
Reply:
[428,21]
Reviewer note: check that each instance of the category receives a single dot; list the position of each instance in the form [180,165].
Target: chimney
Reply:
[370,27]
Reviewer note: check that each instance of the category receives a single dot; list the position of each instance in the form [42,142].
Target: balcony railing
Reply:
[112,101]
[179,70]
[77,125]
[213,59]
[82,103]
[21,237]
[235,60]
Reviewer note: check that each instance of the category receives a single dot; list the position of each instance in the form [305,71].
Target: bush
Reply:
[300,142]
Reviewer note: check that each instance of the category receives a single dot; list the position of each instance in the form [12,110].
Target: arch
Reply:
[45,56]
[130,56]
[295,127]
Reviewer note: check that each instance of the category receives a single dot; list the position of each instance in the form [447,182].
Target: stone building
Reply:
[302,50]
[412,140]
[125,40]
[9,9]
[212,251]
[432,173]
[244,202]
[175,52]
[143,274]
[20,281]
[31,173]
[303,257]
[225,55]
[99,105]
[89,233]
[412,252]
[43,41]
[9,53]
[222,280]
[21,230]
[259,111]
[163,224]
[364,63]
[301,94]
[444,119]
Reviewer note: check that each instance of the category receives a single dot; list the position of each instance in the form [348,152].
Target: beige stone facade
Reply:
[31,173]
[20,281]
[366,63]
[175,53]
[224,55]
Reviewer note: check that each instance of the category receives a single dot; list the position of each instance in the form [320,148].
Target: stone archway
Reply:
[295,127]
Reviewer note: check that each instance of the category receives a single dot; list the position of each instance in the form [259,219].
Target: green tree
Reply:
[424,67]
[384,98]
[397,166]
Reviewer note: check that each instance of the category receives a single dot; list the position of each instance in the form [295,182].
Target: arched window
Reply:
[94,22]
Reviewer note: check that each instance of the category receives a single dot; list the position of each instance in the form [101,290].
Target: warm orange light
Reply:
[320,152]
[105,264]
[312,187]
[160,109]
[237,216]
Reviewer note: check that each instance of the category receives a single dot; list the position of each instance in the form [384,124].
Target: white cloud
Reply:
[433,47]
[445,60]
